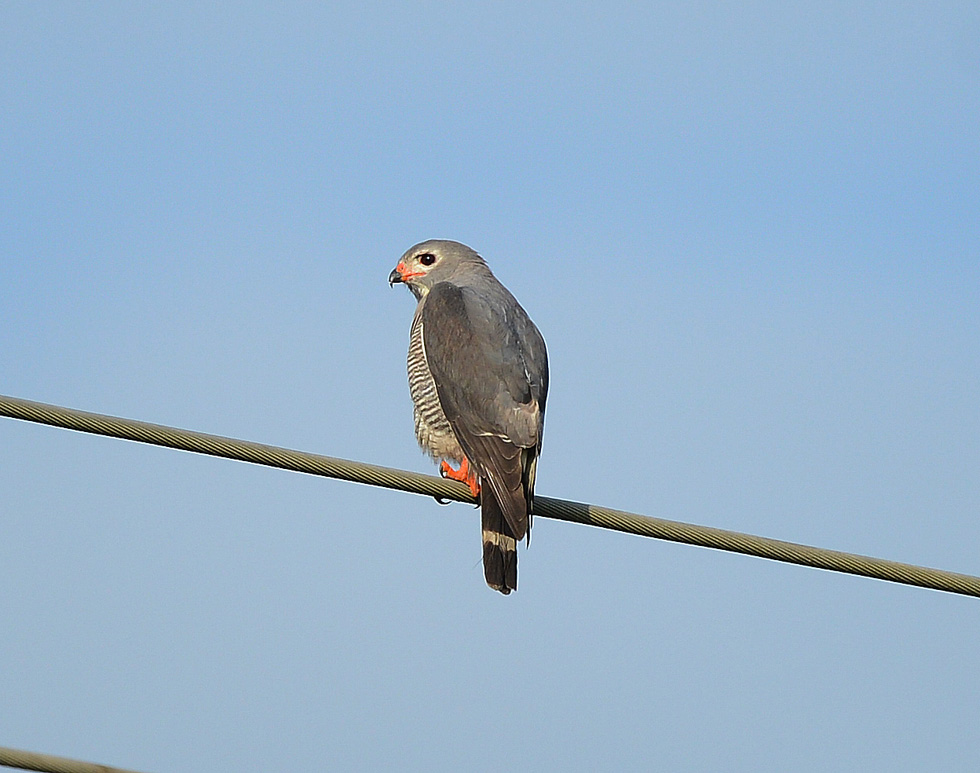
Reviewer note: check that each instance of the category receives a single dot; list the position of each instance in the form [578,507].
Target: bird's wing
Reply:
[491,384]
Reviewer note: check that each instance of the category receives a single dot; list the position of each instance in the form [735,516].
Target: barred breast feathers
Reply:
[432,428]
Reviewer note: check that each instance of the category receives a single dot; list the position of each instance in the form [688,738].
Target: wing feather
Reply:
[491,377]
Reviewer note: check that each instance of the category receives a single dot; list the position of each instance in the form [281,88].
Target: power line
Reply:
[546,507]
[17,758]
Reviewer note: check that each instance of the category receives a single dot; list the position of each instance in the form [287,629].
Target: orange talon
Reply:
[464,474]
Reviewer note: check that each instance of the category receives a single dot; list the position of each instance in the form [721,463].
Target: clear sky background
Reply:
[750,233]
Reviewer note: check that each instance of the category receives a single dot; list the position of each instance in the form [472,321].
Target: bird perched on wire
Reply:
[478,375]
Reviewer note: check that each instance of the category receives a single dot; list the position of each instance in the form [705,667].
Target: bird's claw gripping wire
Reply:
[464,475]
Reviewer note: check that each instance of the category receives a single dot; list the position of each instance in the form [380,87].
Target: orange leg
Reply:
[464,474]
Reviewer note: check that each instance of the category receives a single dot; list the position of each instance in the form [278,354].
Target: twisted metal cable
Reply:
[17,758]
[546,507]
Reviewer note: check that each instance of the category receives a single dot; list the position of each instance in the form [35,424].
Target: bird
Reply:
[478,377]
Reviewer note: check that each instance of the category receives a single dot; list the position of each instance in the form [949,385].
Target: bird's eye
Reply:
[427,259]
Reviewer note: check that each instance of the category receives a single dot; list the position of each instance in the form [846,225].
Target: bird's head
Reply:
[428,263]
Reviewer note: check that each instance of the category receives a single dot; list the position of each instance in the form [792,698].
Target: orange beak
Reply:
[401,274]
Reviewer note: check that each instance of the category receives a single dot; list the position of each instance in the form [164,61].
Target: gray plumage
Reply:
[478,376]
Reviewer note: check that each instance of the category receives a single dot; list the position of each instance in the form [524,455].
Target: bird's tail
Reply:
[499,546]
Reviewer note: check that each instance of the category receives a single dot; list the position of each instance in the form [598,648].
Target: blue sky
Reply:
[750,234]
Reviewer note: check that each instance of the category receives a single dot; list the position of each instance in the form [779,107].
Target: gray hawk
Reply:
[478,376]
